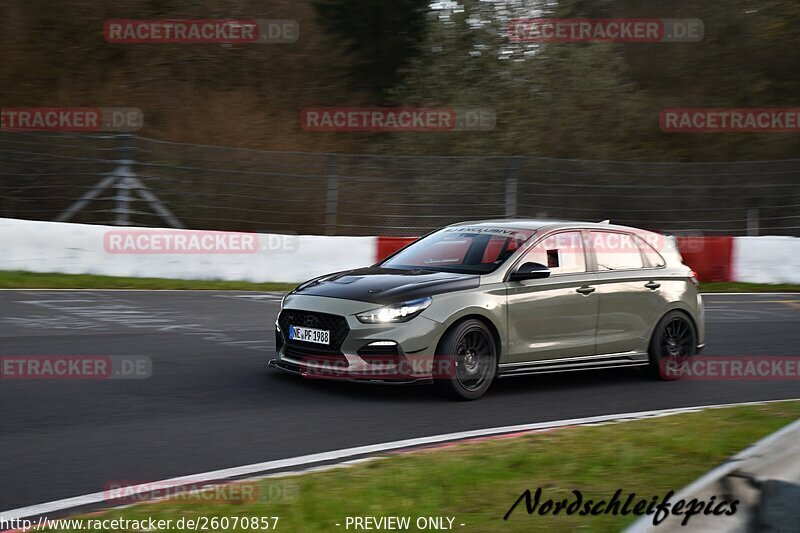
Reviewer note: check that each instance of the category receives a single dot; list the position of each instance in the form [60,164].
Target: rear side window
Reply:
[652,257]
[615,251]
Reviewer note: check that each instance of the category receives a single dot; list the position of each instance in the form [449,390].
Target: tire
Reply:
[466,361]
[675,337]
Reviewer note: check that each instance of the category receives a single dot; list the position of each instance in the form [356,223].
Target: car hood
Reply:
[386,286]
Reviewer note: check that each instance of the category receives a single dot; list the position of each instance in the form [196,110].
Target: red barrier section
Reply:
[710,257]
[389,245]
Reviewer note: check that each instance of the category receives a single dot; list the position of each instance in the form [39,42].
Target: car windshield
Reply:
[472,250]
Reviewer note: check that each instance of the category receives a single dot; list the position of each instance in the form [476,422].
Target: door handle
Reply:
[652,285]
[586,290]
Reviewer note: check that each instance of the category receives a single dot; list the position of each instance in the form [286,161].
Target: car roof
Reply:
[536,224]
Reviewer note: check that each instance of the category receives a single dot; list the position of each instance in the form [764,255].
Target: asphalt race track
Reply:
[211,402]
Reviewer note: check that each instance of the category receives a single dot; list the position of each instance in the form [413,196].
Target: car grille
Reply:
[312,355]
[337,325]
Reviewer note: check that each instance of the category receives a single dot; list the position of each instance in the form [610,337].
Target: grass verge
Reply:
[32,280]
[477,482]
[748,287]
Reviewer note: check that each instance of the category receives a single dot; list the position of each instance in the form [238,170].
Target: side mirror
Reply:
[530,271]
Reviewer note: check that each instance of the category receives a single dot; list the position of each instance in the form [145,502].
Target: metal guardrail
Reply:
[765,481]
[132,180]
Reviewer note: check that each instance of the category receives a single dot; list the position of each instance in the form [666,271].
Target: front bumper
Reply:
[386,353]
[300,370]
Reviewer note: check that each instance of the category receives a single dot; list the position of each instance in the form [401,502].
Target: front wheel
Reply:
[674,342]
[466,361]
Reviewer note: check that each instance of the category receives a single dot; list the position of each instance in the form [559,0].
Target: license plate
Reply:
[319,336]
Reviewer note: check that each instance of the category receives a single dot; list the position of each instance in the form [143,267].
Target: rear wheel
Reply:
[674,341]
[466,360]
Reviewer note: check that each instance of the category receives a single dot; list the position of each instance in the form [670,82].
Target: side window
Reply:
[653,258]
[562,253]
[615,251]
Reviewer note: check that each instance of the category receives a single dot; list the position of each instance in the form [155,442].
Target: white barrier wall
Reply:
[88,249]
[766,259]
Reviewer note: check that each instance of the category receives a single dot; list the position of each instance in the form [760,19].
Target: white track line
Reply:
[335,455]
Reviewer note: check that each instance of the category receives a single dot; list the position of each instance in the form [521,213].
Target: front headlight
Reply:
[395,313]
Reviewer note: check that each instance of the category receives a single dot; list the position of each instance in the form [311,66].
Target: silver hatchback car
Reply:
[485,299]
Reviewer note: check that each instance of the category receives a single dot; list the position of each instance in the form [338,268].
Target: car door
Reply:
[628,290]
[554,317]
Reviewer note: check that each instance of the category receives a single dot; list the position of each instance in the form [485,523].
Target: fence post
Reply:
[123,172]
[752,222]
[332,203]
[511,187]
[115,178]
